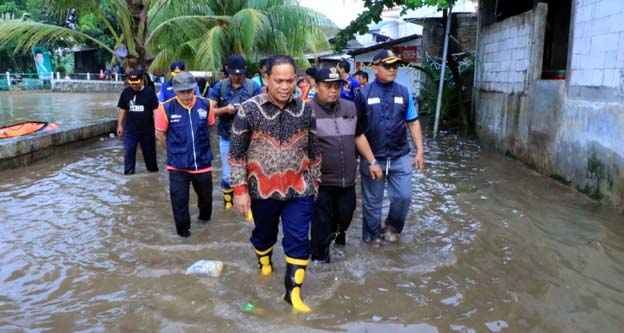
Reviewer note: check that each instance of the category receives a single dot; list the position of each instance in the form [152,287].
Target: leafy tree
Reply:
[201,32]
[373,14]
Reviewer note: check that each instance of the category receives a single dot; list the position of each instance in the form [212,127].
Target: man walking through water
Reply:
[135,122]
[387,111]
[276,171]
[339,135]
[182,126]
[228,94]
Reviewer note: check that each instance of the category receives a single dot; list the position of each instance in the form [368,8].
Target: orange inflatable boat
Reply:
[26,128]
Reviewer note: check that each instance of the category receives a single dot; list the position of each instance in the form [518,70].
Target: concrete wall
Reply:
[92,86]
[572,129]
[506,53]
[21,151]
[589,148]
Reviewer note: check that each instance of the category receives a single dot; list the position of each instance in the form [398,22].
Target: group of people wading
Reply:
[284,157]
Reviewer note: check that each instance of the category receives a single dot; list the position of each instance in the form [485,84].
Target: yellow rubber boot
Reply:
[227,198]
[293,279]
[249,216]
[264,261]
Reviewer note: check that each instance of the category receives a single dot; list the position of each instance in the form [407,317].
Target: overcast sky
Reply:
[342,12]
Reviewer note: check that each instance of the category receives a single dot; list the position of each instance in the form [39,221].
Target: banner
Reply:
[42,62]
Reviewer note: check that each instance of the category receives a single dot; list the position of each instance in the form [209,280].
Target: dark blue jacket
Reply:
[383,107]
[188,140]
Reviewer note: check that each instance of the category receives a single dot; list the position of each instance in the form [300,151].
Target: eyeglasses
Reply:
[388,67]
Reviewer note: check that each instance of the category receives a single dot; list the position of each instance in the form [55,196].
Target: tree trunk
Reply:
[137,57]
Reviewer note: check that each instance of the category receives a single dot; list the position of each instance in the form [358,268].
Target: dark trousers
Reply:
[147,140]
[179,194]
[295,214]
[333,211]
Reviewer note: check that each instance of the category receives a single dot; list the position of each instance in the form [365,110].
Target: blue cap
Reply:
[236,64]
[177,65]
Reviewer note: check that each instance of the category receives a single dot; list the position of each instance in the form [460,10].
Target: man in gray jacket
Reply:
[339,135]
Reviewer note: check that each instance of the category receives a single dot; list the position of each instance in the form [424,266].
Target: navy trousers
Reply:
[295,214]
[147,140]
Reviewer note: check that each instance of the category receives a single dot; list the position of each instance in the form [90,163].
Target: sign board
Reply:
[42,62]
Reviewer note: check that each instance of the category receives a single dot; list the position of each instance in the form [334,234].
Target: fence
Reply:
[31,81]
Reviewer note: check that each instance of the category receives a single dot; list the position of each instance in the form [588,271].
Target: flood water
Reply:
[489,246]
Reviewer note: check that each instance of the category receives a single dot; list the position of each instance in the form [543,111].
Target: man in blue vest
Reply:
[387,110]
[166,90]
[182,126]
[228,94]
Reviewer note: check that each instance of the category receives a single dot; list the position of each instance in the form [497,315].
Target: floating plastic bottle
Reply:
[206,268]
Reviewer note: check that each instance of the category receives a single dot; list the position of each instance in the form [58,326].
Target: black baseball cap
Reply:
[135,76]
[236,64]
[386,57]
[327,74]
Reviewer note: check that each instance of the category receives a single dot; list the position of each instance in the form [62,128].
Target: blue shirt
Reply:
[348,89]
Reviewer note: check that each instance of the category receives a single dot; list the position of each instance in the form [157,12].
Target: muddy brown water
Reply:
[489,246]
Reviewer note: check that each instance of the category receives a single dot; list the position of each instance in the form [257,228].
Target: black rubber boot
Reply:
[264,261]
[293,279]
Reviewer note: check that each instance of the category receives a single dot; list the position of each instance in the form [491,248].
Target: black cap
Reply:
[327,74]
[135,76]
[236,64]
[385,56]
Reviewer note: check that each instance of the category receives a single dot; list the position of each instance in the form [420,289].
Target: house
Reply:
[549,89]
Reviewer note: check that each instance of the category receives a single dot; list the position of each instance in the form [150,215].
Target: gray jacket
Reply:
[337,127]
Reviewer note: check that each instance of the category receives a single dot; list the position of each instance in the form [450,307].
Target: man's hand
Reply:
[231,109]
[419,162]
[119,130]
[375,171]
[242,203]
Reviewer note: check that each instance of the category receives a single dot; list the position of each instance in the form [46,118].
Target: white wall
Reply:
[505,54]
[598,44]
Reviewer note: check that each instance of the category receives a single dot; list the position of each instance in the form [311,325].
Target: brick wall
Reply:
[464,28]
[598,44]
[505,50]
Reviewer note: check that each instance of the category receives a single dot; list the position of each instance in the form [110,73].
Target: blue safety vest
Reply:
[188,140]
[386,109]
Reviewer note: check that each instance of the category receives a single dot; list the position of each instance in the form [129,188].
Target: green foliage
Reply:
[373,14]
[11,8]
[430,86]
[253,28]
[200,32]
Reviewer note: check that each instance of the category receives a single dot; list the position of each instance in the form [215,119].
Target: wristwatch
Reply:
[373,162]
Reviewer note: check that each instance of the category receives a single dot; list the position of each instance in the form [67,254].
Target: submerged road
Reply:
[489,246]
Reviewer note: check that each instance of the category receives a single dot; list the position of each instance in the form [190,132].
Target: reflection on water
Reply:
[490,246]
[61,108]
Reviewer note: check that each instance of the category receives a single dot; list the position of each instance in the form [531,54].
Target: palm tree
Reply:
[201,32]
